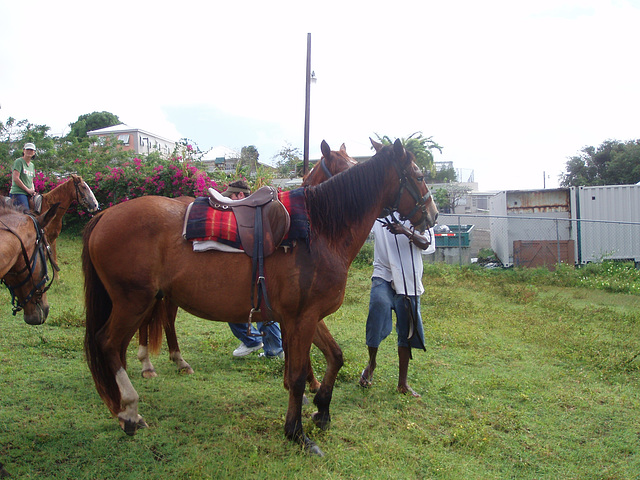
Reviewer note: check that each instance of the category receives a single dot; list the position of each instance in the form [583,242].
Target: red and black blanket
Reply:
[204,222]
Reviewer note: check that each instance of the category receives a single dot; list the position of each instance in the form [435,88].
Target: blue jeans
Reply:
[382,301]
[20,199]
[272,338]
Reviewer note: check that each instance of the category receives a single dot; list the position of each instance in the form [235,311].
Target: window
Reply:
[124,138]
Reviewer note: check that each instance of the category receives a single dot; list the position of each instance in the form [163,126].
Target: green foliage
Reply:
[92,121]
[365,255]
[287,160]
[449,196]
[421,147]
[612,163]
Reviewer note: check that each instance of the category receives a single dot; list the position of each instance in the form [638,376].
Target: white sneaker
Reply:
[279,355]
[243,350]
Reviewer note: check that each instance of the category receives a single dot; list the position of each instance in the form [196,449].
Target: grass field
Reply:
[527,375]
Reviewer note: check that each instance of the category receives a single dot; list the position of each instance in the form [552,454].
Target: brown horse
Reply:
[149,339]
[23,264]
[75,189]
[134,255]
[24,254]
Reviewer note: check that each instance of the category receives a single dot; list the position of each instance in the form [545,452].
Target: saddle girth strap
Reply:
[257,275]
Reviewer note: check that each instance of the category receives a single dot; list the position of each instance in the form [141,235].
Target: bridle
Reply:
[80,199]
[41,253]
[412,189]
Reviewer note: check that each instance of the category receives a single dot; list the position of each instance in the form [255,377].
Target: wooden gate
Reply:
[538,253]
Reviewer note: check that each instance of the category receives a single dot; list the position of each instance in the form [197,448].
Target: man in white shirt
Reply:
[396,285]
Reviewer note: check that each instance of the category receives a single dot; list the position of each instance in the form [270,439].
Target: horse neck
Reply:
[346,206]
[63,194]
[10,250]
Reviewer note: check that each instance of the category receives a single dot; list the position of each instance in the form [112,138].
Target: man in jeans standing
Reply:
[396,285]
[251,339]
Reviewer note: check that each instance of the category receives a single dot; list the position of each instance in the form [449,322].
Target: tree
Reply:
[420,146]
[249,156]
[288,160]
[448,198]
[612,163]
[92,121]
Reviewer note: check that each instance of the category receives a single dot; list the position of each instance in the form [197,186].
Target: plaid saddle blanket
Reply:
[203,222]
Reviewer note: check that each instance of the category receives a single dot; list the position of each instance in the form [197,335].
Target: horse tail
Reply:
[155,327]
[98,309]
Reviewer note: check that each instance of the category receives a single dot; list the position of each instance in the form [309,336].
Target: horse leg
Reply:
[333,355]
[319,341]
[113,340]
[171,311]
[148,370]
[297,343]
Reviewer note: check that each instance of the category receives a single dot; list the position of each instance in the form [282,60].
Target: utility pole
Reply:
[305,168]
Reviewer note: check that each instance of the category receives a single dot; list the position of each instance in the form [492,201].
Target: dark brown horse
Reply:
[134,255]
[75,189]
[149,339]
[24,256]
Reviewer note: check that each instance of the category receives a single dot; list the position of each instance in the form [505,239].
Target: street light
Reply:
[309,79]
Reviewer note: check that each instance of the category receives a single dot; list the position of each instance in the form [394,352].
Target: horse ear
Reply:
[377,146]
[343,149]
[326,151]
[398,150]
[46,217]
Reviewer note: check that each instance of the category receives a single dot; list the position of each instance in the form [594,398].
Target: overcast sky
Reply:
[508,89]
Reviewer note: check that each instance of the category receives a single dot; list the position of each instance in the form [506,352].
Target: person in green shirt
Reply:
[22,177]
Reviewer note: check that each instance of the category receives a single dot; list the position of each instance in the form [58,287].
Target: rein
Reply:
[410,306]
[41,246]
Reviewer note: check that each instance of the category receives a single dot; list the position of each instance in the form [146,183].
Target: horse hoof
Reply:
[130,427]
[186,370]
[323,422]
[149,373]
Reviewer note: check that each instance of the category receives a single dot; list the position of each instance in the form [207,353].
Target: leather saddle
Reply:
[261,208]
[35,203]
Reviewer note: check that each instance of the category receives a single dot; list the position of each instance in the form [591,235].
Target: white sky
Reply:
[509,89]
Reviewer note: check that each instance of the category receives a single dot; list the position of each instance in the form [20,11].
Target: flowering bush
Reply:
[123,180]
[131,179]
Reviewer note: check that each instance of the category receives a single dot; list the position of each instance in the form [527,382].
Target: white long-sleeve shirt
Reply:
[386,260]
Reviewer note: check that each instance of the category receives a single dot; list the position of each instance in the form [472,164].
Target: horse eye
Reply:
[420,179]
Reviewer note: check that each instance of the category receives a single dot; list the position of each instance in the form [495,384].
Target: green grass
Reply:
[527,374]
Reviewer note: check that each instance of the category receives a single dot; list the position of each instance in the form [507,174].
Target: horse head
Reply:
[414,201]
[27,278]
[84,195]
[331,163]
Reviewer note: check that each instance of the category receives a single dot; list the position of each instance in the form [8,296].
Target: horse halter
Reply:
[80,198]
[41,252]
[412,189]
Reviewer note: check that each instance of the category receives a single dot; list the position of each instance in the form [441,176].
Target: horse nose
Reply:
[435,219]
[39,315]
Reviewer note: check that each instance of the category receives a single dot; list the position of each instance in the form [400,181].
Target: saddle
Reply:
[260,216]
[263,221]
[35,203]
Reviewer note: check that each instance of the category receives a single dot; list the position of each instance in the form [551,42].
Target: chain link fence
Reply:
[533,241]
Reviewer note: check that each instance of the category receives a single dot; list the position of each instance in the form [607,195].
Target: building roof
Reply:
[123,128]
[219,152]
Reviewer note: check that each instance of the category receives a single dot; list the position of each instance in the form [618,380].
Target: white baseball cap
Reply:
[29,146]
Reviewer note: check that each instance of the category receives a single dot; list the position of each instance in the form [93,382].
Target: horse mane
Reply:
[9,208]
[336,204]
